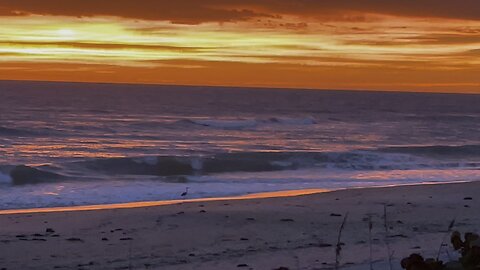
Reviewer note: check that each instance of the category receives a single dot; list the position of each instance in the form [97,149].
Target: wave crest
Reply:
[247,123]
[14,132]
[389,158]
[470,150]
[22,175]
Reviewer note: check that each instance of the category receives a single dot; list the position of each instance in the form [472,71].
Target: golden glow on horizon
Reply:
[372,54]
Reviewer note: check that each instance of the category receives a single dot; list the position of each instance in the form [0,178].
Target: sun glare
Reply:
[66,33]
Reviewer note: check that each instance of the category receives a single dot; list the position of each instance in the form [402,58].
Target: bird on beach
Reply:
[184,193]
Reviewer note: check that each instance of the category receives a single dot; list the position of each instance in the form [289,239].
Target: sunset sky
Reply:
[411,45]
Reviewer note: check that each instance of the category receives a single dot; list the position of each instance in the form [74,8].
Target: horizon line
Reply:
[250,87]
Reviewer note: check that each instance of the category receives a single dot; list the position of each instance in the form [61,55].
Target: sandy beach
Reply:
[297,232]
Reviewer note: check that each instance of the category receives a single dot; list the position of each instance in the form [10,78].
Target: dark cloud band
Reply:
[195,11]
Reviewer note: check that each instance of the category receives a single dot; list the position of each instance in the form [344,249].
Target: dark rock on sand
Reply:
[74,239]
[39,239]
[287,220]
[398,236]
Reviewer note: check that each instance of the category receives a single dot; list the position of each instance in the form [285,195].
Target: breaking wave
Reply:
[437,150]
[4,131]
[389,158]
[5,178]
[23,175]
[247,123]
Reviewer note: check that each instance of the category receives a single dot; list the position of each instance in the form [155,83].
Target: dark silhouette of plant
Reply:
[417,262]
[387,235]
[469,249]
[370,227]
[338,247]
[450,227]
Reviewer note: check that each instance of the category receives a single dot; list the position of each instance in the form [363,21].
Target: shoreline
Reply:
[141,204]
[297,232]
[259,195]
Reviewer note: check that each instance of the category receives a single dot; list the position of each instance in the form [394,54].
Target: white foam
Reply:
[220,185]
[197,164]
[5,178]
[295,121]
[151,160]
[282,163]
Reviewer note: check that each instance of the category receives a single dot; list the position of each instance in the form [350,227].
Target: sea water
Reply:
[65,144]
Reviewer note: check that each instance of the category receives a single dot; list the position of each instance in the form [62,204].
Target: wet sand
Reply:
[296,232]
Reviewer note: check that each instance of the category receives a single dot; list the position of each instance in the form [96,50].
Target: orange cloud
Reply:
[343,44]
[194,11]
[187,12]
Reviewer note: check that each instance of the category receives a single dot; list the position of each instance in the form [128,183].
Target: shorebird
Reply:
[184,193]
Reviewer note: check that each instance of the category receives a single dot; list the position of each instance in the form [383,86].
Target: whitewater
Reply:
[64,144]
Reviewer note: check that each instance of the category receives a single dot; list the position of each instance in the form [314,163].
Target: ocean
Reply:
[64,144]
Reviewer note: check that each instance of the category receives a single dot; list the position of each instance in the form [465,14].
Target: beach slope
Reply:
[297,232]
